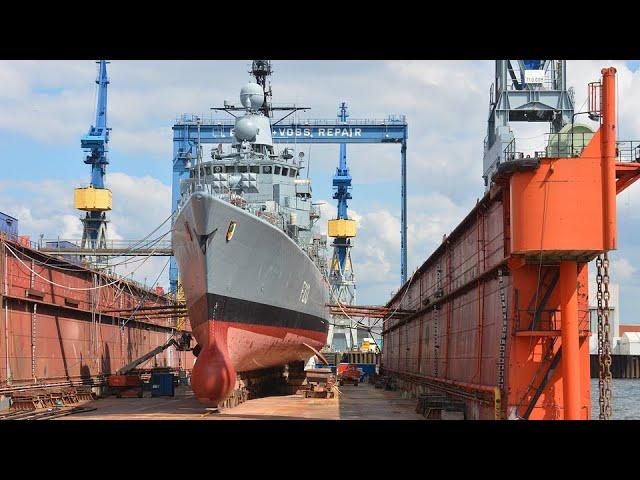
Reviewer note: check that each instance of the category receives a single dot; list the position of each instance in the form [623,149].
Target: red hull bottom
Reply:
[229,347]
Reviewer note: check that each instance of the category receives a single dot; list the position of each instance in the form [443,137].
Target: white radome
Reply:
[246,129]
[252,96]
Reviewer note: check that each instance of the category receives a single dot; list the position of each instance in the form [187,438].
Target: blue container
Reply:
[162,385]
[367,369]
[8,225]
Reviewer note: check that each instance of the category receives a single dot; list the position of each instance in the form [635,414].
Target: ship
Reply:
[252,267]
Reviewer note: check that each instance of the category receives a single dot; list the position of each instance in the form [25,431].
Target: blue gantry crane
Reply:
[95,199]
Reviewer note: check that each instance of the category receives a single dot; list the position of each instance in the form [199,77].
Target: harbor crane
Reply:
[95,199]
[342,229]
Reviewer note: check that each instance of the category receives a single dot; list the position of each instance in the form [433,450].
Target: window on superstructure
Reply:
[230,169]
[266,169]
[217,169]
[277,170]
[254,169]
[242,169]
[292,172]
[285,171]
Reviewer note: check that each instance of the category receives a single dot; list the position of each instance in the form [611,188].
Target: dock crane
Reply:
[342,229]
[95,199]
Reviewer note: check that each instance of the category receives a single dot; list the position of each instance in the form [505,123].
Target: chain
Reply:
[503,333]
[604,330]
[436,322]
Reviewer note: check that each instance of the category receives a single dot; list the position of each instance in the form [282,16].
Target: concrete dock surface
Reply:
[363,402]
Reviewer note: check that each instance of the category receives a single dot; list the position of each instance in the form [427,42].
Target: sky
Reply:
[46,106]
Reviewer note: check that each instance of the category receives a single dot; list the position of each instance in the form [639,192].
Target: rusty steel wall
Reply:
[458,341]
[50,333]
[454,336]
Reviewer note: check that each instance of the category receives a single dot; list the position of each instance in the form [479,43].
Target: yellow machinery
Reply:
[342,228]
[92,199]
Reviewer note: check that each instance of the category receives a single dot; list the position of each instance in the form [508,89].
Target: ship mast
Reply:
[261,70]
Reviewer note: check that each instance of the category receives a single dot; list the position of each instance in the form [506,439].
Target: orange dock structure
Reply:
[501,308]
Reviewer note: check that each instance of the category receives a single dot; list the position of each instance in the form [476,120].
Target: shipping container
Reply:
[162,384]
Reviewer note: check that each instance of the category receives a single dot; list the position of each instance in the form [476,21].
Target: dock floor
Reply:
[355,403]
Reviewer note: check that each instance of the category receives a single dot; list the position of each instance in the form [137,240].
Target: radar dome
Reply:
[252,96]
[246,129]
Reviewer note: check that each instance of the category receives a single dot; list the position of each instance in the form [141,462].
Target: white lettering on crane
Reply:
[308,132]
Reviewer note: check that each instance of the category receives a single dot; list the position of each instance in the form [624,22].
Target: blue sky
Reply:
[46,106]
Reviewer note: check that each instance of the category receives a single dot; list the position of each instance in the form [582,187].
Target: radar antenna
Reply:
[261,70]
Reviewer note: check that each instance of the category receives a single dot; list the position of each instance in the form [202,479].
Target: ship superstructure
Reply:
[252,269]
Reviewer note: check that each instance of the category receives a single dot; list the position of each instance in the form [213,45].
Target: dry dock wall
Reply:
[50,334]
[459,336]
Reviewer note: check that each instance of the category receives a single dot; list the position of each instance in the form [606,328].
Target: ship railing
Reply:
[314,211]
[208,119]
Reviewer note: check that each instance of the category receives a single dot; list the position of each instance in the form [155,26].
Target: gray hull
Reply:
[256,295]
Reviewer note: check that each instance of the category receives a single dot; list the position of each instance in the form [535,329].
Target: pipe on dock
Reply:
[570,339]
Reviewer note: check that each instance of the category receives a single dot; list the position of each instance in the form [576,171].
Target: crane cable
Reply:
[72,288]
[369,328]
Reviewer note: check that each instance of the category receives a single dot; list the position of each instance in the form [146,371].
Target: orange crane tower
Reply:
[563,213]
[498,315]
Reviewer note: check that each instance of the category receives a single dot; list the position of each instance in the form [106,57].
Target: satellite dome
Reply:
[252,96]
[246,129]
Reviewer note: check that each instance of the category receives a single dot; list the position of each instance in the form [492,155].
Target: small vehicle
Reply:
[350,375]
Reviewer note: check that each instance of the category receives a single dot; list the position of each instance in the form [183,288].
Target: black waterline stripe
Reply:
[244,311]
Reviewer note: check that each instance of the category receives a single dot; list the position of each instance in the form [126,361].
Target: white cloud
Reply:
[140,204]
[446,104]
[623,269]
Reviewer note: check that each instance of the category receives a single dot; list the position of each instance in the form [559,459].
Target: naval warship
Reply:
[252,269]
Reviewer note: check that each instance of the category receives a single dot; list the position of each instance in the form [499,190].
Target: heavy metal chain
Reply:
[604,330]
[502,353]
[436,322]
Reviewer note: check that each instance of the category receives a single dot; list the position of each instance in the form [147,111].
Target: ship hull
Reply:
[255,299]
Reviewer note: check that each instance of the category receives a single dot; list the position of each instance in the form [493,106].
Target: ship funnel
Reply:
[252,96]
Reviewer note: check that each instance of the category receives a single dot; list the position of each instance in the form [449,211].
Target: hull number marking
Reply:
[304,293]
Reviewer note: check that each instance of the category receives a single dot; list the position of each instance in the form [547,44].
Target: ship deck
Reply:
[355,403]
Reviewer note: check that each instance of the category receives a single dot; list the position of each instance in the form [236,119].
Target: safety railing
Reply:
[568,145]
[132,245]
[23,240]
[208,119]
[628,151]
